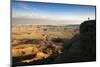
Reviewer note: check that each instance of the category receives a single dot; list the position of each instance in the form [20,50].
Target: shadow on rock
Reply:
[82,47]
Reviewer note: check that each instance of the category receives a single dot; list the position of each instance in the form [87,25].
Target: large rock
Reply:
[81,47]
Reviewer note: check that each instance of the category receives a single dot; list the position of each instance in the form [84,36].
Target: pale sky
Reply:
[50,13]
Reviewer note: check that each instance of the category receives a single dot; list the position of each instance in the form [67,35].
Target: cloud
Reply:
[23,6]
[55,18]
[14,15]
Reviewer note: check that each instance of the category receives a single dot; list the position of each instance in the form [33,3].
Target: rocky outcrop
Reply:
[82,47]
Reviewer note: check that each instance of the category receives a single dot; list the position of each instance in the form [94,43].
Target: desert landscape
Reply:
[28,45]
[51,33]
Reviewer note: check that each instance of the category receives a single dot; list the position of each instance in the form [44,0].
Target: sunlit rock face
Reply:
[29,47]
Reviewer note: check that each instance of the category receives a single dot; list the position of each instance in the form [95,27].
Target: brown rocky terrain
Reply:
[27,46]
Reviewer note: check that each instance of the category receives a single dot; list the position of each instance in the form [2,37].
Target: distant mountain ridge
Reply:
[41,21]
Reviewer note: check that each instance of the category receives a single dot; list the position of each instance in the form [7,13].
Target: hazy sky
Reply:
[47,13]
